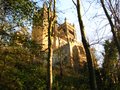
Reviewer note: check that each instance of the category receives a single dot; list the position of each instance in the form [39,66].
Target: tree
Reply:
[18,11]
[114,10]
[51,19]
[20,65]
[110,64]
[92,78]
[14,15]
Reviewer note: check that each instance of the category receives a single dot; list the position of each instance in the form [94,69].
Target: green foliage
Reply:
[17,10]
[19,70]
[110,58]
[71,80]
[108,75]
[15,14]
[110,49]
[20,63]
[38,17]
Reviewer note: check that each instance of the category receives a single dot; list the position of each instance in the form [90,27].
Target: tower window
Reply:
[71,32]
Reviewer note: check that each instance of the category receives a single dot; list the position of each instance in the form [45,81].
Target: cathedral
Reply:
[64,43]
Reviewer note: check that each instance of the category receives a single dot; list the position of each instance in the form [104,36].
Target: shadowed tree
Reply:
[114,19]
[92,78]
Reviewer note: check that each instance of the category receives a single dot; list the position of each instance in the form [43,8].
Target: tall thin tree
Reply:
[92,78]
[51,19]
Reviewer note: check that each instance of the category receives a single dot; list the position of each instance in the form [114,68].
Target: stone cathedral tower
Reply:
[62,34]
[64,41]
[40,25]
[40,28]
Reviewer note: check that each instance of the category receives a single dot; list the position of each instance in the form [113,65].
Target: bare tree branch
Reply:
[74,3]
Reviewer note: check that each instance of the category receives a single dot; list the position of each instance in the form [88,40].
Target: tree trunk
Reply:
[50,50]
[92,78]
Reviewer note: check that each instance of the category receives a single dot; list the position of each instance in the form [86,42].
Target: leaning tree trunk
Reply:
[92,78]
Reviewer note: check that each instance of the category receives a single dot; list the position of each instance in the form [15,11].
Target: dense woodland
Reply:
[21,59]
